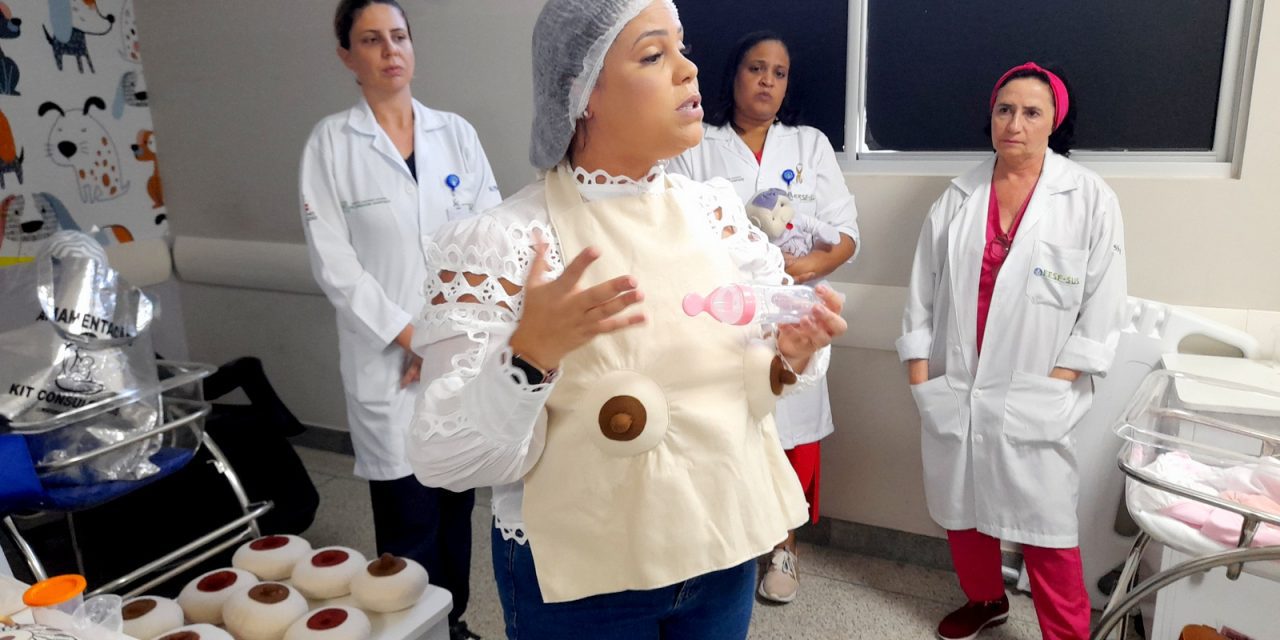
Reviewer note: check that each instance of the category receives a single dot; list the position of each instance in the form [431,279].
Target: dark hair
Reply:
[1064,137]
[344,18]
[788,114]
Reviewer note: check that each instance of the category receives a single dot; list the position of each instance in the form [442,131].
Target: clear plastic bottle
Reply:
[740,304]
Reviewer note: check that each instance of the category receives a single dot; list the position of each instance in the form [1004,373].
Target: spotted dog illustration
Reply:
[72,21]
[145,151]
[79,141]
[10,28]
[46,218]
[130,49]
[10,157]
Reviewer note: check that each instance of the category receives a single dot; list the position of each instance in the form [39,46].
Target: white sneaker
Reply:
[782,581]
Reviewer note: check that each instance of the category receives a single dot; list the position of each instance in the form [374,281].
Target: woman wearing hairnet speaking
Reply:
[637,473]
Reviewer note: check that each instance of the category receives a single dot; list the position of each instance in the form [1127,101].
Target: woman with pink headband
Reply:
[1016,300]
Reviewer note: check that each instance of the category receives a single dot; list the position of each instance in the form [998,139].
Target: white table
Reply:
[426,620]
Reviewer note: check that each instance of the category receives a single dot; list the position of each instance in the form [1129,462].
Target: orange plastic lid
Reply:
[54,591]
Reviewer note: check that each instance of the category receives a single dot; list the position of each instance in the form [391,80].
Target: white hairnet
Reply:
[570,41]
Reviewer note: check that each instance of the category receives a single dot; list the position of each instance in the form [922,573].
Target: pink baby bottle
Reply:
[740,304]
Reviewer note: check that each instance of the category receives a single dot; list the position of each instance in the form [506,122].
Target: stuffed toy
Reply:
[794,233]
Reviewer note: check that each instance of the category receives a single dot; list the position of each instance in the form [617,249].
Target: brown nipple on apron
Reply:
[622,418]
[780,376]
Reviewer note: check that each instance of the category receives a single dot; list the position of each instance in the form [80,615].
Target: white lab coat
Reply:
[997,437]
[367,223]
[818,190]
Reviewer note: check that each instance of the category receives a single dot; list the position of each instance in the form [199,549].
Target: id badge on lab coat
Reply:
[459,211]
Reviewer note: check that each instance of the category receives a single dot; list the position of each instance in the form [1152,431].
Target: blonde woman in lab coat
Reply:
[754,141]
[1016,302]
[376,181]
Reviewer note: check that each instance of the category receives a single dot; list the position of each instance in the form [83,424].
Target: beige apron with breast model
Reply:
[662,462]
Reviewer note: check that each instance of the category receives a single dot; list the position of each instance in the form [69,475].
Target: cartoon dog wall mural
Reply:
[10,156]
[145,151]
[72,21]
[131,91]
[10,28]
[77,140]
[88,168]
[27,226]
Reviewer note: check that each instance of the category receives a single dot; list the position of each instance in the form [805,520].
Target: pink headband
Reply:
[1061,101]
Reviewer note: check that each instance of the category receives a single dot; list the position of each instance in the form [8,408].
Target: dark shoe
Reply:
[965,623]
[461,632]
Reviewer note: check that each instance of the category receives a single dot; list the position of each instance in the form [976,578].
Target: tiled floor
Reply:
[843,595]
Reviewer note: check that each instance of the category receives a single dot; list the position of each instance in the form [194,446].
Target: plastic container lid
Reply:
[54,591]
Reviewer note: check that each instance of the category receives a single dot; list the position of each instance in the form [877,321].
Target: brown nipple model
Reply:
[779,376]
[269,593]
[386,565]
[138,608]
[622,418]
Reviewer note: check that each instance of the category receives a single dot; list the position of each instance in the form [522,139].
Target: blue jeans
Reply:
[712,606]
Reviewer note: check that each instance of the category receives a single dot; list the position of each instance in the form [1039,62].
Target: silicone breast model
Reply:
[326,573]
[389,583]
[270,557]
[263,612]
[150,616]
[202,598]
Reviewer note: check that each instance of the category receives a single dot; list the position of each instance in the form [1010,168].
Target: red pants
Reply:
[806,459]
[1057,581]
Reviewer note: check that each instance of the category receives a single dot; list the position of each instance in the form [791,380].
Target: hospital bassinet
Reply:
[71,480]
[1202,460]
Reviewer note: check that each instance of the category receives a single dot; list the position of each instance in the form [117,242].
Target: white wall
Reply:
[237,85]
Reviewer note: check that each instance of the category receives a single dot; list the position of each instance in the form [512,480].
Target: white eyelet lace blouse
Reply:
[478,422]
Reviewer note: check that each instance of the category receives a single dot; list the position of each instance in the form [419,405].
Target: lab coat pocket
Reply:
[461,195]
[1037,409]
[376,371]
[939,409]
[369,223]
[804,199]
[1057,275]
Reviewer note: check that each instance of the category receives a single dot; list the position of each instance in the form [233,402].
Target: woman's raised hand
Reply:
[559,315]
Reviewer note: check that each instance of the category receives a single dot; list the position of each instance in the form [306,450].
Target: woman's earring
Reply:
[586,114]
